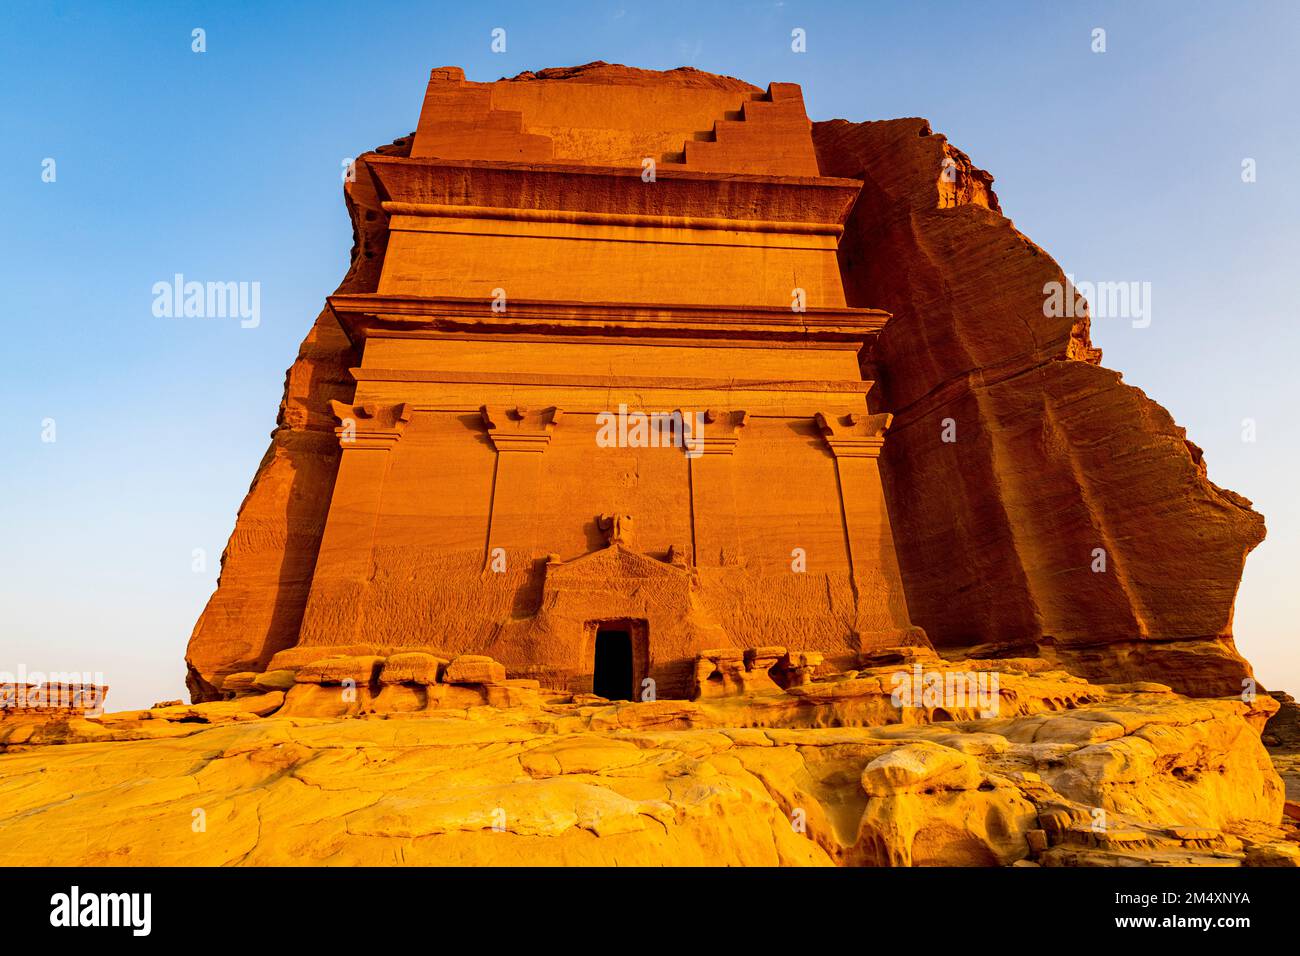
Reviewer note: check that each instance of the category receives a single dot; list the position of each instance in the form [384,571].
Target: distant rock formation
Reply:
[1283,729]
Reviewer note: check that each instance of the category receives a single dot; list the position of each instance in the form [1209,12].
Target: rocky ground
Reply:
[1068,773]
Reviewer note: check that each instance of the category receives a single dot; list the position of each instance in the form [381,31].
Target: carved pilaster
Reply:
[519,434]
[714,524]
[855,440]
[367,433]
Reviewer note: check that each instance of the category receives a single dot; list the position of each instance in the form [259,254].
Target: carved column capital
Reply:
[721,430]
[370,425]
[520,428]
[854,434]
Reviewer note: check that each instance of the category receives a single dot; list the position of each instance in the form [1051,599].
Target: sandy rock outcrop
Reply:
[1068,773]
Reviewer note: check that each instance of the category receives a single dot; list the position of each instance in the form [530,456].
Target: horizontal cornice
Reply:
[576,380]
[362,315]
[442,210]
[610,190]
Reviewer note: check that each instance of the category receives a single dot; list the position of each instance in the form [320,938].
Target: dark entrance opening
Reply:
[613,677]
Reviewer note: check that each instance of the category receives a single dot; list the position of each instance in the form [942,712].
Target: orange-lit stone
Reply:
[548,250]
[613,293]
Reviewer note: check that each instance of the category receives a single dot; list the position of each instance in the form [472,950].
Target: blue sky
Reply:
[225,165]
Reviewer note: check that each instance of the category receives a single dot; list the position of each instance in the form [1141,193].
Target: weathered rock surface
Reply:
[1068,773]
[1283,728]
[1053,457]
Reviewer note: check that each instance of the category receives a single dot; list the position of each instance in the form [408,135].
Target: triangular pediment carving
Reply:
[614,562]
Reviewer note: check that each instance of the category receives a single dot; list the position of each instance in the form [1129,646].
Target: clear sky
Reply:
[225,165]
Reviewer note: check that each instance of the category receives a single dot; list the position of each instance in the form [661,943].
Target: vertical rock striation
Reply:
[1054,456]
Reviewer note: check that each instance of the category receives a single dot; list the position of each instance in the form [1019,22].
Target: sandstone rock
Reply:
[920,766]
[50,700]
[801,666]
[402,699]
[513,693]
[275,680]
[1057,455]
[730,672]
[1138,687]
[946,828]
[474,669]
[889,656]
[424,773]
[1057,821]
[239,684]
[242,708]
[414,668]
[312,699]
[335,670]
[1194,834]
[1284,725]
[763,657]
[1074,731]
[1273,855]
[798,659]
[976,744]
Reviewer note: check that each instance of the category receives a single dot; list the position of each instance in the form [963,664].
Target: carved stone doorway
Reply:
[618,658]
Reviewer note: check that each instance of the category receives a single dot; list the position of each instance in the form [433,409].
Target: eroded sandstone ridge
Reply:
[993,533]
[1055,456]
